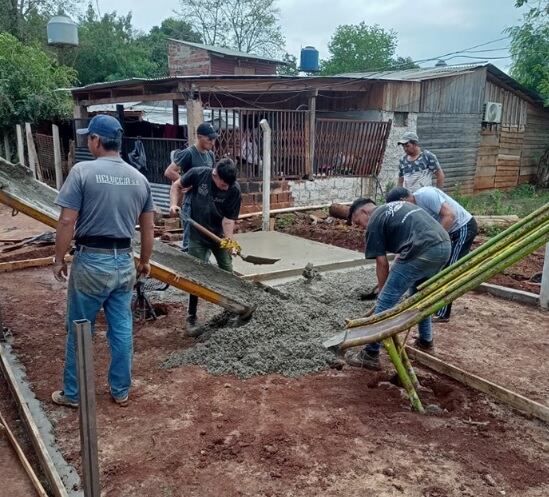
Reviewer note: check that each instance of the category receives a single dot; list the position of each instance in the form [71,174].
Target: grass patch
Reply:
[521,201]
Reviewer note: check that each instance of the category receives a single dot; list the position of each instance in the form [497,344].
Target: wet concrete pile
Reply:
[286,331]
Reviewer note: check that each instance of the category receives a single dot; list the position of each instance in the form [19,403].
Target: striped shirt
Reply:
[419,172]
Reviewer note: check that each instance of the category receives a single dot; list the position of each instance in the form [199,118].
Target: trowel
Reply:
[229,244]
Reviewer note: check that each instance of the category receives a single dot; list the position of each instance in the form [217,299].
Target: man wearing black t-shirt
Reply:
[198,155]
[215,200]
[422,246]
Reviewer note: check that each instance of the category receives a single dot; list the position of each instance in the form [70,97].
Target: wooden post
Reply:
[175,113]
[265,225]
[7,148]
[20,144]
[195,115]
[57,156]
[80,114]
[34,163]
[88,427]
[312,134]
[544,290]
[120,116]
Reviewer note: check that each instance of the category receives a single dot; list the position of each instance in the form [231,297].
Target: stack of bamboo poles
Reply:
[497,254]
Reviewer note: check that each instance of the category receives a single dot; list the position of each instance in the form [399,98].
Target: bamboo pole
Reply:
[462,267]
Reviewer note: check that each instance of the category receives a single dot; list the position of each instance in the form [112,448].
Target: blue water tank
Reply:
[309,59]
[62,31]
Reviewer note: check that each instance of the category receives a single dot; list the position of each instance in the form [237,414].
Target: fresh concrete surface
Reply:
[294,253]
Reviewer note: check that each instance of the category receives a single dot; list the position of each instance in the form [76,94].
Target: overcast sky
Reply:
[426,28]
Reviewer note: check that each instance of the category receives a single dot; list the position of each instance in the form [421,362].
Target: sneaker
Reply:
[424,345]
[439,319]
[192,328]
[363,359]
[121,401]
[58,397]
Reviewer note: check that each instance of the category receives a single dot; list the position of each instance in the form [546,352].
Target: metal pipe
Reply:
[266,174]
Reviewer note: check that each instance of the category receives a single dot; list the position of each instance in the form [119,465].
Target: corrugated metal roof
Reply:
[417,74]
[228,52]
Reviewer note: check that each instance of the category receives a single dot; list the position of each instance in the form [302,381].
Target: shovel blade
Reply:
[254,259]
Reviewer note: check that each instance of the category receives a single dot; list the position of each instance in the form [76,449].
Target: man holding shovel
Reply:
[215,200]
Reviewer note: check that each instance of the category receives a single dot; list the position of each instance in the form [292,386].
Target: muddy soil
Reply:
[332,433]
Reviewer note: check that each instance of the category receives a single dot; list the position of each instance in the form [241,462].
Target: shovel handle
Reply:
[204,231]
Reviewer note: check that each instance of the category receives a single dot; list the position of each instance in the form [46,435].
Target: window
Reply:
[400,119]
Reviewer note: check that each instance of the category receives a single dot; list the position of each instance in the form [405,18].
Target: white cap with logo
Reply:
[407,137]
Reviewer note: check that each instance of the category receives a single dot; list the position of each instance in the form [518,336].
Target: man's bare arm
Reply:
[400,180]
[228,227]
[172,172]
[447,216]
[382,271]
[176,197]
[439,173]
[146,226]
[63,238]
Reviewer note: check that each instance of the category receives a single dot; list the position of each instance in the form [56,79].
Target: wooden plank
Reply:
[486,171]
[22,458]
[57,486]
[482,182]
[6,267]
[512,399]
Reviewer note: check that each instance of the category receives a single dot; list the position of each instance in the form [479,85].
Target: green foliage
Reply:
[359,48]
[250,26]
[109,49]
[291,69]
[530,48]
[520,201]
[284,221]
[156,42]
[29,78]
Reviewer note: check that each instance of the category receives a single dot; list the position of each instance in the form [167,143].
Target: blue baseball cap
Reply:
[102,125]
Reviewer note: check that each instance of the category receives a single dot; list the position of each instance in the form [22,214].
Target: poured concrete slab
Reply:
[294,253]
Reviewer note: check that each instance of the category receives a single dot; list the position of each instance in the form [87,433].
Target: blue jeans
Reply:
[185,213]
[408,275]
[101,280]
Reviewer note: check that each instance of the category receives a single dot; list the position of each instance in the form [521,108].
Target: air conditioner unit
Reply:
[492,112]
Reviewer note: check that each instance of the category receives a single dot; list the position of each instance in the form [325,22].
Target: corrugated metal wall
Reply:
[454,139]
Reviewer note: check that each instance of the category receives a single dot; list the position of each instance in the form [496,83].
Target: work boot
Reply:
[424,345]
[363,359]
[192,327]
[58,397]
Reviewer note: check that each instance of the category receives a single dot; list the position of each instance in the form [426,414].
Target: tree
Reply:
[27,19]
[157,41]
[358,48]
[530,48]
[291,68]
[401,63]
[110,49]
[29,83]
[250,26]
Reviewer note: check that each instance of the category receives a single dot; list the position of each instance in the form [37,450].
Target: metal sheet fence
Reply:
[240,139]
[44,150]
[349,148]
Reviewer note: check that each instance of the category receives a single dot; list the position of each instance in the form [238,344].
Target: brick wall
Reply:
[184,60]
[252,195]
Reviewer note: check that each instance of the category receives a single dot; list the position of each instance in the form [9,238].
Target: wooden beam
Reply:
[57,486]
[512,399]
[7,267]
[132,98]
[20,144]
[57,156]
[22,458]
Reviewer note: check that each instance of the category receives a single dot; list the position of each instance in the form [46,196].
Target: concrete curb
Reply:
[509,294]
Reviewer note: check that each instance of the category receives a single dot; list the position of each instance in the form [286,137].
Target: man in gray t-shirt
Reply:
[101,202]
[457,221]
[198,155]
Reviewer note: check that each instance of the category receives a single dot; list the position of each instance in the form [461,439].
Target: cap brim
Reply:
[213,136]
[82,131]
[400,142]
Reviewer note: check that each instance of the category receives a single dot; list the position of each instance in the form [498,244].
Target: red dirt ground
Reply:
[332,434]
